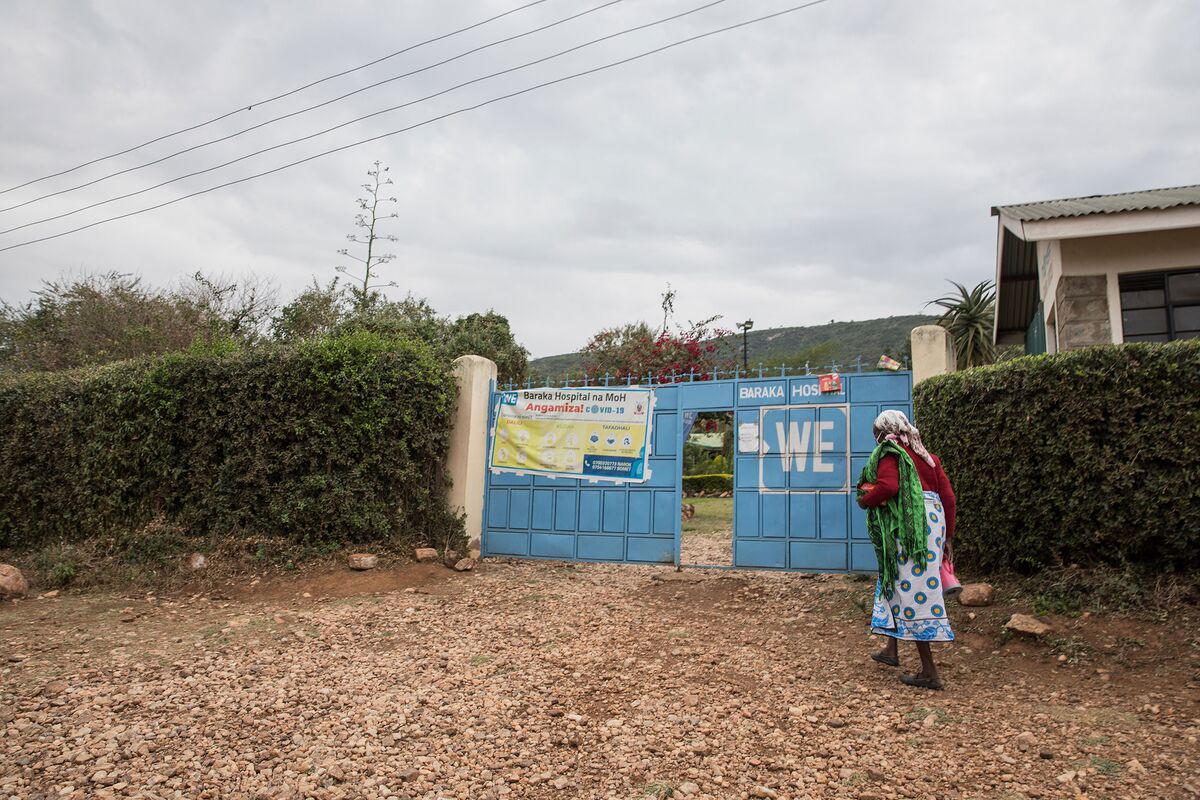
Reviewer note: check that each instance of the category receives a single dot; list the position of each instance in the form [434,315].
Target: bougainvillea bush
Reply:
[636,352]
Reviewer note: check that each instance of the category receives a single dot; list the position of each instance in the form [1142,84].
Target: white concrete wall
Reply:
[932,352]
[1050,270]
[466,461]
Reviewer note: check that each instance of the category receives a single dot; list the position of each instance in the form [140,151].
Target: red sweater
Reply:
[933,479]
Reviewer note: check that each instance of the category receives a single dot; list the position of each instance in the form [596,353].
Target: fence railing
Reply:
[858,365]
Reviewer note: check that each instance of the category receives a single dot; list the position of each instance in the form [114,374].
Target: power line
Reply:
[263,124]
[289,93]
[290,142]
[430,121]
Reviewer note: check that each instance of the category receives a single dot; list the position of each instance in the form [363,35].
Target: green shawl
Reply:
[901,519]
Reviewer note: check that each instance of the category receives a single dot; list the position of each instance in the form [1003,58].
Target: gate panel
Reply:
[793,498]
[794,504]
[584,520]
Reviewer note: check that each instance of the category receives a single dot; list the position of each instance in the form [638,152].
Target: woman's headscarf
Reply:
[893,426]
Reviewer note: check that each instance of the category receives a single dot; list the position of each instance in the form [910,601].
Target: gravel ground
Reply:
[707,548]
[546,680]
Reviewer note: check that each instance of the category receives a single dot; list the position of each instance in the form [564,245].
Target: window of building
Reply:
[1160,306]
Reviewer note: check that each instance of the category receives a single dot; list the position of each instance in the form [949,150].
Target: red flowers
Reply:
[635,353]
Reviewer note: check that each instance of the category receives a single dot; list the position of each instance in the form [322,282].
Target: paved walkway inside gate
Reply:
[545,680]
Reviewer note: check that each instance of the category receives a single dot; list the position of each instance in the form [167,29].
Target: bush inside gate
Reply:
[1090,457]
[334,440]
[709,484]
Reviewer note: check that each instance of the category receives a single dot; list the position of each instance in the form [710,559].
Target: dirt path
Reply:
[542,680]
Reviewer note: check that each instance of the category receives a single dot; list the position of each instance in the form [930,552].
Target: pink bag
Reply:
[950,585]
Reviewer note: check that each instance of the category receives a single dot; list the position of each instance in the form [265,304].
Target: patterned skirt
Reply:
[912,608]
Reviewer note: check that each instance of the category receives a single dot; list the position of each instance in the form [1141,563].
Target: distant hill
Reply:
[841,342]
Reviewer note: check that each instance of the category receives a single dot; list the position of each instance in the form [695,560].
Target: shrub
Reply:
[333,440]
[1090,457]
[709,484]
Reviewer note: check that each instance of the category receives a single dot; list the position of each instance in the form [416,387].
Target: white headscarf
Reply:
[893,426]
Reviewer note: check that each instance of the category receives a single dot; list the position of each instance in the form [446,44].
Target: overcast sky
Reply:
[835,163]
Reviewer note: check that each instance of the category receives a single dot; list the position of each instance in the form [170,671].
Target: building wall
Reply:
[1131,252]
[1081,291]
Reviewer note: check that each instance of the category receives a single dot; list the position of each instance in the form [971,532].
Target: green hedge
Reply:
[709,484]
[1089,457]
[334,440]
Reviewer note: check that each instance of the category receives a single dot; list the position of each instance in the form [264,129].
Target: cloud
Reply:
[835,163]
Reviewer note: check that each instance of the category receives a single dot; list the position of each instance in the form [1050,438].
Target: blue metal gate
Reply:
[798,454]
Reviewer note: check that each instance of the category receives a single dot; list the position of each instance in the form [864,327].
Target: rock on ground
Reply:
[12,582]
[1027,625]
[977,594]
[362,561]
[425,554]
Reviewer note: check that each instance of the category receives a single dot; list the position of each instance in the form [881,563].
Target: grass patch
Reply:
[713,515]
[57,565]
[1102,765]
[481,659]
[1070,591]
[921,713]
[1073,647]
[154,558]
[1091,716]
[659,790]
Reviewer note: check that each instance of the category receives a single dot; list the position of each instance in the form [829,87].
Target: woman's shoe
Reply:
[922,683]
[884,658]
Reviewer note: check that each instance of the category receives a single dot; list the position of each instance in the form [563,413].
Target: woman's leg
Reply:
[890,648]
[928,668]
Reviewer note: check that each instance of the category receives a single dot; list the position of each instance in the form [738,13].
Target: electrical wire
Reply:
[290,142]
[288,93]
[430,121]
[263,124]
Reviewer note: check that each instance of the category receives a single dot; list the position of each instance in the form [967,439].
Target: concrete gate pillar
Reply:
[932,352]
[466,461]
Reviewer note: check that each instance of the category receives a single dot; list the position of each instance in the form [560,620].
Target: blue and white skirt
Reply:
[913,608]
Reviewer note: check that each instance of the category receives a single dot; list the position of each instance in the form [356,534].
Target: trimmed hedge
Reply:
[334,440]
[709,484]
[1089,457]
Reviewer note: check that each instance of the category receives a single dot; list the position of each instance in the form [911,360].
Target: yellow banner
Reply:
[575,433]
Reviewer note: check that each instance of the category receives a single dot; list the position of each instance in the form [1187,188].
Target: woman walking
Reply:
[910,516]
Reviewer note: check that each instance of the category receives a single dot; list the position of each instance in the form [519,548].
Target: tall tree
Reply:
[969,317]
[364,291]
